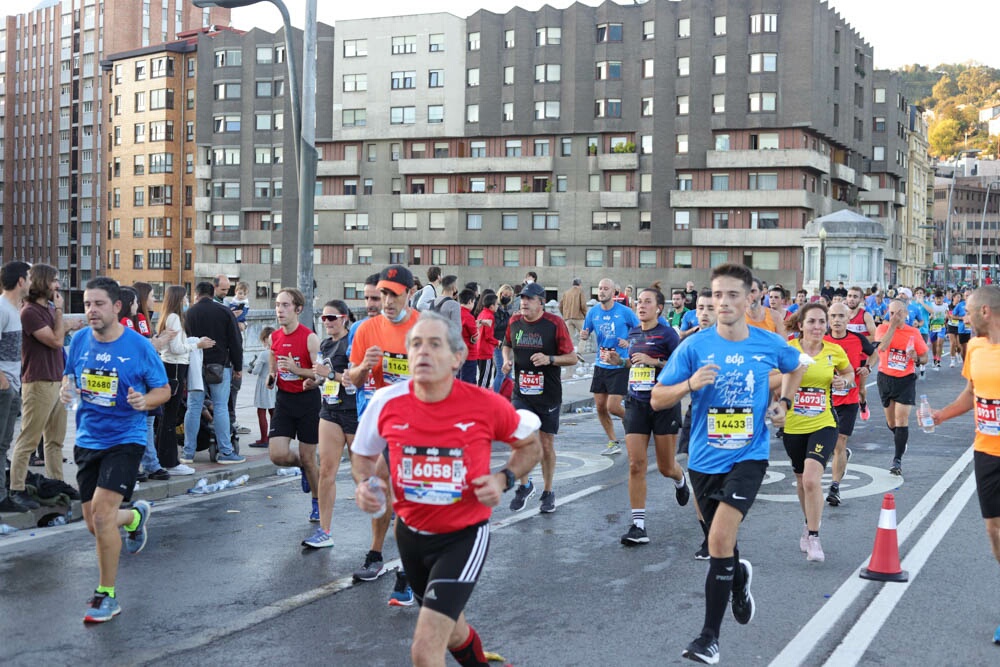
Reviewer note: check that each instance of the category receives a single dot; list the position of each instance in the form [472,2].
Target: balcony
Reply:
[201,236]
[746,199]
[337,168]
[617,161]
[768,159]
[203,204]
[882,194]
[619,199]
[476,200]
[225,236]
[216,268]
[203,172]
[474,165]
[755,238]
[841,172]
[336,202]
[866,183]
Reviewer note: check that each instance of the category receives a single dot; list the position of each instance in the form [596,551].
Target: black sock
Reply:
[704,527]
[738,581]
[902,435]
[470,654]
[718,587]
[813,533]
[891,428]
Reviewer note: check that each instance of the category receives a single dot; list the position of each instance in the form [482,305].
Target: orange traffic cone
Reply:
[884,563]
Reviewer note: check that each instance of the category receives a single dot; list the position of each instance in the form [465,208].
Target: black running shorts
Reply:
[901,390]
[613,381]
[345,419]
[641,418]
[443,569]
[987,469]
[296,416]
[847,417]
[548,414]
[737,488]
[817,446]
[114,469]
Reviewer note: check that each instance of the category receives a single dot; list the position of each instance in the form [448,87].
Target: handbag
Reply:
[212,373]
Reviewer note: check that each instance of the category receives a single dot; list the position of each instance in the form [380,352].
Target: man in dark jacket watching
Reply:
[208,318]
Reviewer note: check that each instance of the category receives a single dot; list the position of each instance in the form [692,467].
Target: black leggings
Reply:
[166,434]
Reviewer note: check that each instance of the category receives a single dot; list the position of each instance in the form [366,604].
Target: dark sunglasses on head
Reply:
[332,318]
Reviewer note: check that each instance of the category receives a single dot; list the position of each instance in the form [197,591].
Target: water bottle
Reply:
[924,415]
[75,403]
[289,472]
[910,346]
[58,521]
[349,387]
[200,487]
[7,529]
[376,489]
[240,481]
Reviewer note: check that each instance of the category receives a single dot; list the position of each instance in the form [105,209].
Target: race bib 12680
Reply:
[99,387]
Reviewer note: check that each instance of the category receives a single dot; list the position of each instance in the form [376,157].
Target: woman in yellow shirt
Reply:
[810,432]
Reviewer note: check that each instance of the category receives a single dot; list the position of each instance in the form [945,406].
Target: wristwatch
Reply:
[511,479]
[332,376]
[552,360]
[787,401]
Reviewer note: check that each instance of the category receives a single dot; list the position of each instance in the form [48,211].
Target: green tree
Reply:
[944,89]
[945,136]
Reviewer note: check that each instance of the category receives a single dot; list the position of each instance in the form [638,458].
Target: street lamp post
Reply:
[982,227]
[303,131]
[822,254]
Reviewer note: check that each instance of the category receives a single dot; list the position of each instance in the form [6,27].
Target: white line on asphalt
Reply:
[854,645]
[798,649]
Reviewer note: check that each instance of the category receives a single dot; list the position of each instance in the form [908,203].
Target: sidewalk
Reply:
[576,394]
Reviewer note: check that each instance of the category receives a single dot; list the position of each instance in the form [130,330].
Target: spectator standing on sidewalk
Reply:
[501,318]
[42,334]
[220,294]
[573,310]
[207,318]
[14,279]
[264,397]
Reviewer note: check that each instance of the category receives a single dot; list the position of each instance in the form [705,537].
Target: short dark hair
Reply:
[449,281]
[372,279]
[12,272]
[738,271]
[110,286]
[706,293]
[534,276]
[466,295]
[433,273]
[204,288]
[677,291]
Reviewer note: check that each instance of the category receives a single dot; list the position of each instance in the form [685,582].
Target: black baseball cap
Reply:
[397,279]
[533,290]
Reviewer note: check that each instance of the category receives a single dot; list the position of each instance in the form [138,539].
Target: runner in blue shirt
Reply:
[610,322]
[116,376]
[373,307]
[689,322]
[727,370]
[916,316]
[650,345]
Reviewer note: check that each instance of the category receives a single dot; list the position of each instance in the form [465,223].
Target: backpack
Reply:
[501,318]
[438,303]
[420,296]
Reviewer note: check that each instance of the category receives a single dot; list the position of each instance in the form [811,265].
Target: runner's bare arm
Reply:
[359,374]
[664,397]
[962,404]
[151,399]
[527,452]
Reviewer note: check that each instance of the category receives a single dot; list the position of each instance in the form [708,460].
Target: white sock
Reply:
[679,483]
[639,517]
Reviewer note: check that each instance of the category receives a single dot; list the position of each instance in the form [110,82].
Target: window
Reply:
[764,220]
[542,220]
[435,113]
[722,142]
[763,23]
[544,73]
[477,184]
[351,187]
[265,55]
[682,220]
[546,109]
[512,184]
[720,181]
[646,144]
[608,70]
[404,44]
[878,153]
[474,38]
[138,227]
[645,220]
[768,261]
[648,65]
[435,78]
[508,39]
[262,121]
[404,79]
[878,124]
[761,102]
[609,32]
[594,258]
[763,62]
[262,155]
[513,148]
[683,27]
[508,75]
[683,103]
[162,130]
[508,111]
[160,195]
[354,117]
[137,259]
[477,149]
[508,221]
[683,66]
[604,220]
[402,115]
[880,96]
[762,181]
[719,26]
[356,221]
[140,101]
[225,156]
[161,163]
[610,108]
[162,98]
[160,228]
[511,257]
[228,58]
[472,113]
[541,147]
[647,259]
[545,36]
[355,48]
[407,220]
[764,141]
[682,259]
[618,183]
[161,67]
[473,220]
[719,64]
[139,133]
[435,42]
[648,30]
[682,143]
[719,103]
[720,220]
[230,190]
[364,255]
[475,257]
[352,83]
[140,70]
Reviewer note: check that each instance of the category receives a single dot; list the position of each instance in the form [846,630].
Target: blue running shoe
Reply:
[402,594]
[230,459]
[305,481]
[318,540]
[314,515]
[135,540]
[996,636]
[102,609]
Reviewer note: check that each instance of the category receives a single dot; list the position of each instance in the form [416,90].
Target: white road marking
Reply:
[881,482]
[797,651]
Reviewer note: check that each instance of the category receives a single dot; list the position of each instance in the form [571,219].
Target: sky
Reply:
[902,32]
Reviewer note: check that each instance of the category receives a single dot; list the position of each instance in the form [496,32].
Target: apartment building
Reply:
[150,158]
[918,214]
[974,227]
[52,112]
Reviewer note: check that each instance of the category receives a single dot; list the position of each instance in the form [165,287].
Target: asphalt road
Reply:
[224,580]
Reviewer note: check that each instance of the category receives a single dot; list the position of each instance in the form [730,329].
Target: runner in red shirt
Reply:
[439,433]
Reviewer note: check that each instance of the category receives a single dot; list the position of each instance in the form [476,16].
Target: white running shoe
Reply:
[181,469]
[815,550]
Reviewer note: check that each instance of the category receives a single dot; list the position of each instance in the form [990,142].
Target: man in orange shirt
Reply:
[899,346]
[982,392]
[757,315]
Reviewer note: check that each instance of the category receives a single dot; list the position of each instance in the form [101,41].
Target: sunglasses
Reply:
[332,318]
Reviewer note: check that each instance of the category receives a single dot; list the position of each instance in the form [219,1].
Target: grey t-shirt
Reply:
[10,342]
